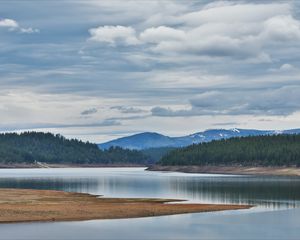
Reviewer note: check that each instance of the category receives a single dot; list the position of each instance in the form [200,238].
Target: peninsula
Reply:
[25,205]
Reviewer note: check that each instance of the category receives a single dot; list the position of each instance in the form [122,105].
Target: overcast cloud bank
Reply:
[151,66]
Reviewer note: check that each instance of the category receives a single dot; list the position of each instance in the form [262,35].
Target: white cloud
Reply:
[29,30]
[243,31]
[9,23]
[149,13]
[240,31]
[281,28]
[14,26]
[114,35]
[229,12]
[162,33]
[284,68]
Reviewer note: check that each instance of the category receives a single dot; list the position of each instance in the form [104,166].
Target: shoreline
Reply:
[228,170]
[26,205]
[45,165]
[232,170]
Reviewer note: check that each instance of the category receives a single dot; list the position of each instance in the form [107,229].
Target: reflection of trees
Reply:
[65,184]
[272,192]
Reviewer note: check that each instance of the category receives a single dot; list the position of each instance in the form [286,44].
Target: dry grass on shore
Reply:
[23,205]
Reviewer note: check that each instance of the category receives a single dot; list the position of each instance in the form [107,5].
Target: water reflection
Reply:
[274,192]
[214,226]
[83,185]
[266,192]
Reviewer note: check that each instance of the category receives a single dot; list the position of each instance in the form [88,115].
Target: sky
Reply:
[97,70]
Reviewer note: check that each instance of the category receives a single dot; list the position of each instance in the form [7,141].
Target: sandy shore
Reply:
[23,205]
[265,171]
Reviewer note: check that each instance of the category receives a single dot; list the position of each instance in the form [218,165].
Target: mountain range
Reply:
[148,140]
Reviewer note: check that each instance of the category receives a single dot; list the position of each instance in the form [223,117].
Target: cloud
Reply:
[281,28]
[114,35]
[162,33]
[125,109]
[284,68]
[218,62]
[226,124]
[169,112]
[89,111]
[232,12]
[235,30]
[134,117]
[29,30]
[32,126]
[13,25]
[149,13]
[232,31]
[281,101]
[9,23]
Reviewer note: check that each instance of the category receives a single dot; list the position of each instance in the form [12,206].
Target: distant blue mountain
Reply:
[155,140]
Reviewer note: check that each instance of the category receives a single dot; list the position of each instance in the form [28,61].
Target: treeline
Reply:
[29,147]
[155,154]
[275,150]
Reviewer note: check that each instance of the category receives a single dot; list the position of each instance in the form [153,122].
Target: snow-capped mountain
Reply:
[154,140]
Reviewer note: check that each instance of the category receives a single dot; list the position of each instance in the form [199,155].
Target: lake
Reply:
[276,215]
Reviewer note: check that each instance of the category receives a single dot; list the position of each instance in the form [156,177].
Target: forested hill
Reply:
[29,147]
[276,150]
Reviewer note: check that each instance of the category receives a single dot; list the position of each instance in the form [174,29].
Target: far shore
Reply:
[26,205]
[229,170]
[46,165]
[233,170]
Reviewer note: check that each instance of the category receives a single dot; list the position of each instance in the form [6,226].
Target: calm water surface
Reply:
[276,215]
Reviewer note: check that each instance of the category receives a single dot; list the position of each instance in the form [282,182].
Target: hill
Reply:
[140,141]
[155,140]
[276,150]
[155,154]
[30,147]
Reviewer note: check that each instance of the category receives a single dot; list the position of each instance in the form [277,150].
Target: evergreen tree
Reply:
[29,147]
[273,150]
